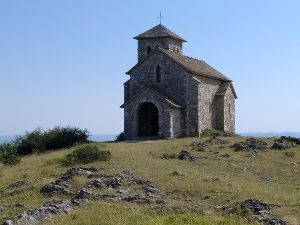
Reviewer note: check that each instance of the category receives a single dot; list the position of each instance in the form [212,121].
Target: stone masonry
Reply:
[171,95]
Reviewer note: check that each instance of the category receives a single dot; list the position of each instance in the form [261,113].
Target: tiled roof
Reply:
[158,31]
[194,66]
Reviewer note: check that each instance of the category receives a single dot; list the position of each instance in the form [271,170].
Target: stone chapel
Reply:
[171,95]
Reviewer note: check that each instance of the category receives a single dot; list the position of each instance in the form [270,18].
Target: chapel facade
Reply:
[171,95]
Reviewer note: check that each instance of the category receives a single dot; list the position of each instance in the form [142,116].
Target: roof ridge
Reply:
[186,56]
[193,65]
[211,73]
[158,31]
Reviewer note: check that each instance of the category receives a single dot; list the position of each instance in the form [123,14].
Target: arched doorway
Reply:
[148,120]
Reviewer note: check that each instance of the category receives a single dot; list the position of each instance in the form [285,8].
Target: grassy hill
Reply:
[191,189]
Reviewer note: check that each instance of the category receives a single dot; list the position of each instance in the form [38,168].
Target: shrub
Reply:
[8,154]
[215,133]
[86,154]
[56,138]
[63,137]
[120,137]
[31,142]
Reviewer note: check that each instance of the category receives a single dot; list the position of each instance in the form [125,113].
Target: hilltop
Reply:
[204,189]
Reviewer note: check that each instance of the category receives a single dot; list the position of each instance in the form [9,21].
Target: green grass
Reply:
[225,181]
[100,213]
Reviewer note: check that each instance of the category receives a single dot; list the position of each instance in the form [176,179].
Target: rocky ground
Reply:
[95,188]
[63,196]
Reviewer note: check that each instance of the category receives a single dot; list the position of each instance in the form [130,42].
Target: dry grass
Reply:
[225,181]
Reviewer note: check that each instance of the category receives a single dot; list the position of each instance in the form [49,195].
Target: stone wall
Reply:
[164,42]
[202,108]
[207,113]
[229,111]
[175,123]
[218,112]
[169,118]
[173,77]
[192,108]
[126,91]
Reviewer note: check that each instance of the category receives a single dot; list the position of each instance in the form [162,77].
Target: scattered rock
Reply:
[185,155]
[216,140]
[291,139]
[256,206]
[152,191]
[40,214]
[254,154]
[274,222]
[61,184]
[57,186]
[124,195]
[169,156]
[259,209]
[199,146]
[279,144]
[81,171]
[84,193]
[129,178]
[249,145]
[222,208]
[8,222]
[19,184]
[113,182]
[119,182]
[268,178]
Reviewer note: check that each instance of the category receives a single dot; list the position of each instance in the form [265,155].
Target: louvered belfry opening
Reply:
[148,120]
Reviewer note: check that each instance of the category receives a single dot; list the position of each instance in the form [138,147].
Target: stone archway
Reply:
[148,120]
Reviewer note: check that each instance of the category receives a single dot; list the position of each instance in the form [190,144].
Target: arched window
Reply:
[148,50]
[158,74]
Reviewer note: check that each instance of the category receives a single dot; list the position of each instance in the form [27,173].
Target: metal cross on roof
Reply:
[160,16]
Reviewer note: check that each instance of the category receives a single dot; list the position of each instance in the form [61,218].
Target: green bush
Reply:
[216,133]
[120,137]
[30,142]
[56,138]
[8,154]
[86,154]
[63,137]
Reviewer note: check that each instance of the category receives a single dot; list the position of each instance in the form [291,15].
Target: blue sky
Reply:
[64,62]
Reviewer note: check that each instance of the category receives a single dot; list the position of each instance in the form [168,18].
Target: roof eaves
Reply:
[143,60]
[233,90]
[176,38]
[160,95]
